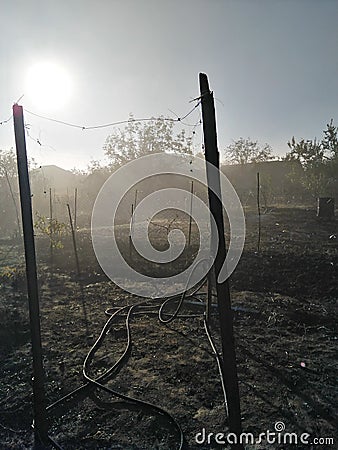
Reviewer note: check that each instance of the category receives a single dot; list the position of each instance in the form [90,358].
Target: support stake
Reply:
[39,399]
[51,233]
[75,209]
[190,211]
[74,242]
[222,289]
[259,214]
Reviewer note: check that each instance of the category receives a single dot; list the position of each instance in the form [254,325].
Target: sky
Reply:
[272,65]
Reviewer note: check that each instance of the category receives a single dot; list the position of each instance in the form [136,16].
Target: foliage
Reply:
[267,190]
[318,158]
[7,163]
[8,273]
[309,153]
[95,166]
[52,228]
[330,140]
[8,171]
[139,139]
[244,151]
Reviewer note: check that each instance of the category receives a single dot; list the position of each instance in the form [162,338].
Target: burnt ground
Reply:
[284,301]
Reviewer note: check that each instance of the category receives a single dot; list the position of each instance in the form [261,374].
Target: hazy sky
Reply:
[272,64]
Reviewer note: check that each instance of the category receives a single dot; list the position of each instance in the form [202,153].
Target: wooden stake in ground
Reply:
[229,368]
[41,439]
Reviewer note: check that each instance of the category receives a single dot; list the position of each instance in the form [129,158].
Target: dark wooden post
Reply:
[39,400]
[223,292]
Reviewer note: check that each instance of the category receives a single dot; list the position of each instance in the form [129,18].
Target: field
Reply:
[284,306]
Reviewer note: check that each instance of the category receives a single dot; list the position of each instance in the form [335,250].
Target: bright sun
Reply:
[48,86]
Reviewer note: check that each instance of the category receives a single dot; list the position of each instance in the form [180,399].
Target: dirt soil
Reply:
[284,309]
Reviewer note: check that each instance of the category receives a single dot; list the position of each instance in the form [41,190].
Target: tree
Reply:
[52,228]
[143,138]
[244,151]
[95,166]
[309,153]
[8,171]
[330,140]
[318,158]
[7,163]
[8,177]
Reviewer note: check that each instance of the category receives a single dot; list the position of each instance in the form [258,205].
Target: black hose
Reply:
[128,402]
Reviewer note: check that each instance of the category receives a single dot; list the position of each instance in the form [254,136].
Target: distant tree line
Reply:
[311,166]
[319,159]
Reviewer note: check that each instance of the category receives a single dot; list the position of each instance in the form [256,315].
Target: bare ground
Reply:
[284,301]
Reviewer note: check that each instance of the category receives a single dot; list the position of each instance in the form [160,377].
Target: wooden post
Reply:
[223,293]
[259,215]
[39,399]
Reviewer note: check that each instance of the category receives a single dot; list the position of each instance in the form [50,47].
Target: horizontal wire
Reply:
[120,122]
[7,120]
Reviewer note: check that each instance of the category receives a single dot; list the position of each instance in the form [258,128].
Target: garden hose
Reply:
[130,403]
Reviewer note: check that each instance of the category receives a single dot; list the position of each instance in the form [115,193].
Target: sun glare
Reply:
[48,86]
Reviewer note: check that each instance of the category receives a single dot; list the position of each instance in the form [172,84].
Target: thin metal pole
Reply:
[39,397]
[131,229]
[75,209]
[51,234]
[135,199]
[13,200]
[190,212]
[229,368]
[74,241]
[259,215]
[210,286]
